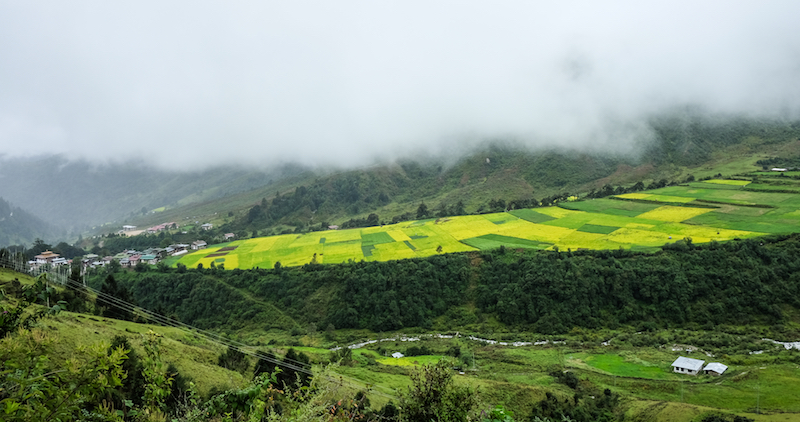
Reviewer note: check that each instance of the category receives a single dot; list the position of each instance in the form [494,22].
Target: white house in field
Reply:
[715,368]
[688,366]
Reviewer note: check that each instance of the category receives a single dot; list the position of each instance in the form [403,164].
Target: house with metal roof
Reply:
[715,368]
[150,259]
[690,366]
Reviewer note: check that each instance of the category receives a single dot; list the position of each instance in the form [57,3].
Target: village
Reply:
[128,258]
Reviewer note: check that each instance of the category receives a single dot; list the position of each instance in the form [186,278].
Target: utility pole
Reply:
[758,391]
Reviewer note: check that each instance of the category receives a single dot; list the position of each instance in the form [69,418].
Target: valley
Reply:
[575,304]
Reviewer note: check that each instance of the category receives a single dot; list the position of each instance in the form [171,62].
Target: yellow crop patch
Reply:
[540,232]
[728,182]
[634,196]
[699,233]
[332,236]
[340,252]
[670,213]
[398,235]
[472,226]
[307,239]
[639,237]
[556,212]
[389,251]
[578,239]
[264,243]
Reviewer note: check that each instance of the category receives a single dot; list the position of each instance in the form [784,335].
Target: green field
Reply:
[713,210]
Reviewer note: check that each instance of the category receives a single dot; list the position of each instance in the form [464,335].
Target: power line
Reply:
[207,335]
[210,336]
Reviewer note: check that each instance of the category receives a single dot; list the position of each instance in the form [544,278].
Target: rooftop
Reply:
[688,363]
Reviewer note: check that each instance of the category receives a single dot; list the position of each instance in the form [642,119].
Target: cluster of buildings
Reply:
[684,365]
[162,227]
[129,258]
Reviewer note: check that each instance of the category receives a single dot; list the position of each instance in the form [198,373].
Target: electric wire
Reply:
[212,337]
[209,336]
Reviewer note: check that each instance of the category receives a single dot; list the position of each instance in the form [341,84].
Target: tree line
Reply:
[738,282]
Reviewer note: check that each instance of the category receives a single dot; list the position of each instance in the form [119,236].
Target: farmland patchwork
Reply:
[715,210]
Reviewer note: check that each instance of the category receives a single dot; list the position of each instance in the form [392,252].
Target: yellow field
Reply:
[640,237]
[728,182]
[569,229]
[398,235]
[657,198]
[540,232]
[670,213]
[578,239]
[634,195]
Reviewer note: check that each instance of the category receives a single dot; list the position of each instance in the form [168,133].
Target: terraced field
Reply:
[714,210]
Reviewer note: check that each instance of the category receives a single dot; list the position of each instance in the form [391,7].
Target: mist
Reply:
[187,85]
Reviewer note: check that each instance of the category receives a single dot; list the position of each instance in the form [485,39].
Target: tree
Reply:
[157,379]
[119,295]
[422,211]
[373,220]
[433,397]
[113,267]
[234,360]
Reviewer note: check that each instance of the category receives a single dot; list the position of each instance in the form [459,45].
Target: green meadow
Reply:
[713,210]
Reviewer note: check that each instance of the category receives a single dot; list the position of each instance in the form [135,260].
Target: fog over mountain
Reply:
[188,84]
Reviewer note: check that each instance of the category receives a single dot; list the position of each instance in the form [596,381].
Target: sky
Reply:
[188,84]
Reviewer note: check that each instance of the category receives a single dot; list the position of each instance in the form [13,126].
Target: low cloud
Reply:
[190,84]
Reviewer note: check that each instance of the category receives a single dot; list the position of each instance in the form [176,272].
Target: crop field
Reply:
[712,210]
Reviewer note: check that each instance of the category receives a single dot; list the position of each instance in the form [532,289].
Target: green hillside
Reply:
[17,226]
[684,143]
[705,211]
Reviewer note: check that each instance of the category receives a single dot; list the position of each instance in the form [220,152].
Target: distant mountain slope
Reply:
[76,195]
[79,195]
[18,226]
[683,145]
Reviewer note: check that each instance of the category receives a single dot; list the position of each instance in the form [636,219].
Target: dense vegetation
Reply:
[732,283]
[738,282]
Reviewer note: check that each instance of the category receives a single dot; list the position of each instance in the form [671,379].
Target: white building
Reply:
[199,244]
[689,366]
[715,368]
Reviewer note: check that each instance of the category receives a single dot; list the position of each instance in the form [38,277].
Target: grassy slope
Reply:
[193,356]
[511,174]
[519,376]
[713,210]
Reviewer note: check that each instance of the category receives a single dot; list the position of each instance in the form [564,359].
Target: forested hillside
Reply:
[18,226]
[80,194]
[509,173]
[740,282]
[76,195]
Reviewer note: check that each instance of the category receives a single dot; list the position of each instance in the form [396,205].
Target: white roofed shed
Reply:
[684,365]
[715,368]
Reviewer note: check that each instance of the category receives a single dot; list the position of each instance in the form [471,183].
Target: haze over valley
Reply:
[399,211]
